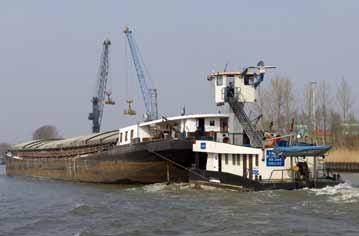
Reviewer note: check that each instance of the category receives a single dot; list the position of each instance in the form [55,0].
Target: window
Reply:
[219,81]
[233,159]
[238,159]
[131,134]
[256,160]
[212,123]
[226,159]
[120,137]
[126,134]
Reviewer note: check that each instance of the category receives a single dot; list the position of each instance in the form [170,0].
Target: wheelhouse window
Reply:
[226,159]
[126,134]
[212,123]
[256,160]
[238,159]
[233,159]
[246,80]
[121,137]
[219,81]
[132,134]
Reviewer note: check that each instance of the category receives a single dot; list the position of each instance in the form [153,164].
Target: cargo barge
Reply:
[222,150]
[141,153]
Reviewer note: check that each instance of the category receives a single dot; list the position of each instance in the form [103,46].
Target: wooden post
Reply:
[315,171]
[291,167]
[197,160]
[168,172]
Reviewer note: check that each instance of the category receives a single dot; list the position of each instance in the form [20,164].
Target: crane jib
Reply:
[149,95]
[100,90]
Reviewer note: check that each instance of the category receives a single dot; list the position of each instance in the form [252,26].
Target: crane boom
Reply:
[98,99]
[149,94]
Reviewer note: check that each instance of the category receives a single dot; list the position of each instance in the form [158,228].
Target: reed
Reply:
[343,155]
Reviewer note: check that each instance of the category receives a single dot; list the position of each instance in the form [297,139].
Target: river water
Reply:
[30,206]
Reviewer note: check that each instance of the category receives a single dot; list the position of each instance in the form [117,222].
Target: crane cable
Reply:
[126,64]
[108,86]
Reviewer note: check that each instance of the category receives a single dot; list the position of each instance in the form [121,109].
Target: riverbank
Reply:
[343,160]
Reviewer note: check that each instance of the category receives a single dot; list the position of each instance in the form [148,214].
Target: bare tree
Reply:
[323,95]
[262,108]
[46,132]
[345,98]
[290,109]
[277,103]
[335,128]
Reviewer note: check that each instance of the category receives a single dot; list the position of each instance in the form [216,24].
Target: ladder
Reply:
[255,136]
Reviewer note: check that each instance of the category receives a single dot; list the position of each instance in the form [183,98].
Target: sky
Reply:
[50,52]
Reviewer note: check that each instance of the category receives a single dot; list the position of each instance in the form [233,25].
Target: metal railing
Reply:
[282,175]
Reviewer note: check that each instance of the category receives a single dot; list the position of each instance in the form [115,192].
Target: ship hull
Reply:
[133,163]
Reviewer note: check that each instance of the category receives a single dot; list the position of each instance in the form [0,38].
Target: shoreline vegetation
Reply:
[344,155]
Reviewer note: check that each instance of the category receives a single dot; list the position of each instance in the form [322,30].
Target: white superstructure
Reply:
[235,155]
[209,126]
[252,163]
[242,86]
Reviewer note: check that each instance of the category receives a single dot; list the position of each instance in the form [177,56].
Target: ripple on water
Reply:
[81,209]
[85,234]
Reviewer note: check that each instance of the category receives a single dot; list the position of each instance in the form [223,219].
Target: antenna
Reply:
[183,111]
[225,67]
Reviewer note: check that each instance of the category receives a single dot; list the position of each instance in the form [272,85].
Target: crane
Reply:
[99,98]
[149,94]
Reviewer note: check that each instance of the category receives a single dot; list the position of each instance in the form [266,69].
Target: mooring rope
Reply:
[179,165]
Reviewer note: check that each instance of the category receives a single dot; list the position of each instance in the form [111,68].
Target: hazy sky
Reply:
[49,53]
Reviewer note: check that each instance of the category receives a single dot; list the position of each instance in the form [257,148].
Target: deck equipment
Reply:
[129,110]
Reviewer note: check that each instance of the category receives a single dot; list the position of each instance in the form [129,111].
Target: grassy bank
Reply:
[343,155]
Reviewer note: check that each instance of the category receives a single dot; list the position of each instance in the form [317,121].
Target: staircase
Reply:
[254,136]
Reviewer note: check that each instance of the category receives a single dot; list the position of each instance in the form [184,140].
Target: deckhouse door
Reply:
[245,165]
[250,169]
[215,162]
[219,163]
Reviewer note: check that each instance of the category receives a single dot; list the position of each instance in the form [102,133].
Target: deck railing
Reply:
[282,176]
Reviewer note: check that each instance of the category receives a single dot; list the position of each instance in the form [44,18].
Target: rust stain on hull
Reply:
[96,171]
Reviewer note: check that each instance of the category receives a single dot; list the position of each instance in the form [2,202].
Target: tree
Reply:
[345,99]
[335,128]
[46,132]
[323,94]
[277,103]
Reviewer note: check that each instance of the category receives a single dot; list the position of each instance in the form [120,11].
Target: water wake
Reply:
[84,234]
[163,187]
[341,193]
[152,188]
